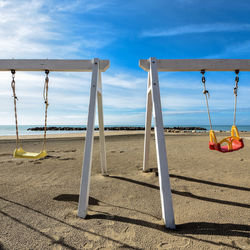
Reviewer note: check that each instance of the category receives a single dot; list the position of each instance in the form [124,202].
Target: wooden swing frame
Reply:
[153,66]
[95,66]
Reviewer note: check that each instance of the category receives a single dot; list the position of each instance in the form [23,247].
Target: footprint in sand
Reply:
[175,243]
[5,154]
[67,159]
[58,151]
[50,157]
[19,162]
[71,216]
[112,151]
[57,234]
[68,151]
[138,166]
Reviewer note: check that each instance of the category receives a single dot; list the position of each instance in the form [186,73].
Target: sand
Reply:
[38,198]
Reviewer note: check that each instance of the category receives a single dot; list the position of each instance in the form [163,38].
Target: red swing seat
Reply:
[234,142]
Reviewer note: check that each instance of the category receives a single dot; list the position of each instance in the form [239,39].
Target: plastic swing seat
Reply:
[20,153]
[234,142]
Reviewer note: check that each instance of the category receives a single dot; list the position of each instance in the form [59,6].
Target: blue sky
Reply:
[124,32]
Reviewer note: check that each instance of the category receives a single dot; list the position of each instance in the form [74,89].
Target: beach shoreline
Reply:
[116,133]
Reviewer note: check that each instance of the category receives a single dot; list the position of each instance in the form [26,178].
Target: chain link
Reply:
[236,93]
[207,95]
[45,97]
[13,86]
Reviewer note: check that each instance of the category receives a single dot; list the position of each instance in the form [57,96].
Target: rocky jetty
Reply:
[167,129]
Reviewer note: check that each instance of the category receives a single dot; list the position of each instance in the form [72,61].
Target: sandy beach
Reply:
[39,198]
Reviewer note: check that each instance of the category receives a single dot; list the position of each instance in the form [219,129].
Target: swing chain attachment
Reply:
[13,83]
[203,79]
[236,82]
[206,93]
[13,86]
[45,97]
[46,86]
[236,93]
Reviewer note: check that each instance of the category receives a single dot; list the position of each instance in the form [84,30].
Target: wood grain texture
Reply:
[51,64]
[198,64]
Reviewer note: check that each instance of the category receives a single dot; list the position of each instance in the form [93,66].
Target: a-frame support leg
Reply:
[101,127]
[148,122]
[164,180]
[87,159]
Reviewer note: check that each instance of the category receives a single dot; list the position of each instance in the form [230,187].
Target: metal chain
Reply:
[207,95]
[236,93]
[13,86]
[45,97]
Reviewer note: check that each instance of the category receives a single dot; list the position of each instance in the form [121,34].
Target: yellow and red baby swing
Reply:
[233,142]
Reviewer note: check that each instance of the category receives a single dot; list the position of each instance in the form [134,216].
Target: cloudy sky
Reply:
[124,32]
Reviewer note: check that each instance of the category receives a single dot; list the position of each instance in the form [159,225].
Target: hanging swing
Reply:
[19,152]
[233,142]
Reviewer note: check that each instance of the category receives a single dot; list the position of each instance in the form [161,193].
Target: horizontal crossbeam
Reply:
[198,64]
[51,64]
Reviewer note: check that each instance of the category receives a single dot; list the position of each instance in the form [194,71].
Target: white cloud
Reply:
[124,97]
[30,29]
[183,112]
[68,97]
[122,102]
[127,81]
[44,29]
[197,28]
[124,118]
[81,6]
[23,29]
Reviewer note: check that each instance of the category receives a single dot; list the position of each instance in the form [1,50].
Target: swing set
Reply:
[153,107]
[152,66]
[96,67]
[233,142]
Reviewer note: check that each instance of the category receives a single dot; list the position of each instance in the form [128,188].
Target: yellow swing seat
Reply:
[21,153]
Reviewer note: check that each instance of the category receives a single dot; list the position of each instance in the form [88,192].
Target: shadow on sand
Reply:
[60,241]
[75,198]
[182,230]
[186,194]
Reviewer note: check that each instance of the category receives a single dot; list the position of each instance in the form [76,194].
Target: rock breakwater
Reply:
[130,128]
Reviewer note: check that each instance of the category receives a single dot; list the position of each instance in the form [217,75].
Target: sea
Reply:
[23,129]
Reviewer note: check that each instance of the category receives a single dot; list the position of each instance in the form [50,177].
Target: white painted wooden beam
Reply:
[51,64]
[198,64]
[148,122]
[162,162]
[101,126]
[87,158]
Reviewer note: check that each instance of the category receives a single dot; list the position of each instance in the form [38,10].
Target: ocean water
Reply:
[11,130]
[22,129]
